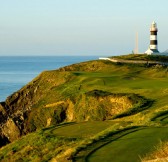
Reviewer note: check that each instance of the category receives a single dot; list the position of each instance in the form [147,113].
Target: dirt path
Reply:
[135,61]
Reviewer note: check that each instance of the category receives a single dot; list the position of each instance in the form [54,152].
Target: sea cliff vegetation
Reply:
[80,111]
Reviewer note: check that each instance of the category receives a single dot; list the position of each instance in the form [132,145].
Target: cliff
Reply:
[62,95]
[69,113]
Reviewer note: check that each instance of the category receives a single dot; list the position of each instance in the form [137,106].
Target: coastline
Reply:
[17,71]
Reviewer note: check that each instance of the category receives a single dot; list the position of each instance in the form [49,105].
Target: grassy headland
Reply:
[82,111]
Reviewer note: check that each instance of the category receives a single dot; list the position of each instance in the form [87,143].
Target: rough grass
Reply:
[84,92]
[53,141]
[160,153]
[39,146]
[88,106]
[145,57]
[140,105]
[161,116]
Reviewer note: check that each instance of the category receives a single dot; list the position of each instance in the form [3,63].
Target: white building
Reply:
[153,47]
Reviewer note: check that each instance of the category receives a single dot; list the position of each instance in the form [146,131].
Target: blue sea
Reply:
[17,71]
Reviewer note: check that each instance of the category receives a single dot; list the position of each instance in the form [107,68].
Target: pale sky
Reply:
[80,27]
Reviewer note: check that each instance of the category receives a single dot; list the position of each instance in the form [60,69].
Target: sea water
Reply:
[17,71]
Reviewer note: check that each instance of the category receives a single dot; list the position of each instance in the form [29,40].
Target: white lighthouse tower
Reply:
[153,48]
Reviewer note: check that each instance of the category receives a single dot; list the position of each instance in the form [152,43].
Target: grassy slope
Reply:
[131,146]
[149,82]
[105,76]
[48,142]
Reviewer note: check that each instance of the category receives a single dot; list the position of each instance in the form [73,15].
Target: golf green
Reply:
[131,147]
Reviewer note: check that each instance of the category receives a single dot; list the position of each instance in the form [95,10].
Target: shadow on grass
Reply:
[83,154]
[58,126]
[161,116]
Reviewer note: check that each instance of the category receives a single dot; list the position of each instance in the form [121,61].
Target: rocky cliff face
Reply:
[13,113]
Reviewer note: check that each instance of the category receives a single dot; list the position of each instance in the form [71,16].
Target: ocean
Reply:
[17,71]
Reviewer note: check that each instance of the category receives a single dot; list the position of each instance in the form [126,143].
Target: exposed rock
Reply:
[10,130]
[49,122]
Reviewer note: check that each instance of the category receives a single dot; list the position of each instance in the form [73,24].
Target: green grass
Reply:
[47,143]
[129,147]
[84,129]
[161,116]
[83,92]
[39,146]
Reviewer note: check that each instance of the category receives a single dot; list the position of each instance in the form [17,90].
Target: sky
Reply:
[79,27]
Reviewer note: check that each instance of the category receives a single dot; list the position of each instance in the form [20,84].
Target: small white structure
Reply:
[153,47]
[104,58]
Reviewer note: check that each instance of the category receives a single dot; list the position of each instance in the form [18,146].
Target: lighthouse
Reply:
[153,48]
